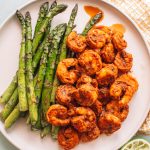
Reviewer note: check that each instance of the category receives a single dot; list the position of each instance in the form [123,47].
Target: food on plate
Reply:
[68,138]
[109,123]
[84,119]
[123,88]
[85,95]
[118,41]
[89,62]
[84,79]
[118,110]
[91,135]
[107,75]
[76,42]
[77,85]
[96,38]
[58,115]
[108,53]
[97,108]
[104,95]
[64,94]
[123,61]
[66,71]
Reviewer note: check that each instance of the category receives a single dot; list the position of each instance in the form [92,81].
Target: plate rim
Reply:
[12,14]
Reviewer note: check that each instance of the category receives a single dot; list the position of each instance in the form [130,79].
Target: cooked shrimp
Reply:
[64,94]
[98,51]
[66,71]
[57,115]
[96,38]
[97,108]
[103,95]
[89,62]
[84,79]
[124,88]
[68,138]
[84,119]
[91,135]
[108,53]
[123,61]
[116,109]
[107,75]
[118,41]
[75,42]
[108,123]
[85,95]
[108,32]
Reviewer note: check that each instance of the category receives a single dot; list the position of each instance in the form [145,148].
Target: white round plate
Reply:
[10,37]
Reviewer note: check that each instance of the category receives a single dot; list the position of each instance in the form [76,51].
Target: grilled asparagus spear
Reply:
[29,72]
[53,12]
[91,23]
[23,104]
[42,13]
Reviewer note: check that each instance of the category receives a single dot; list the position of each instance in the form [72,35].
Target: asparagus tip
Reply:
[27,15]
[46,3]
[76,6]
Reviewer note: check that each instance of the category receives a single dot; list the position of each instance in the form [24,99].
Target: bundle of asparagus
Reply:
[34,86]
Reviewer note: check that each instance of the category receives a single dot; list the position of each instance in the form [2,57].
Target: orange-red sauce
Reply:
[92,11]
[118,27]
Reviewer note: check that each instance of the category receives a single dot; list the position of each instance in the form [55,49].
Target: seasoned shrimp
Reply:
[108,53]
[91,135]
[98,51]
[84,119]
[57,115]
[124,88]
[84,79]
[97,108]
[103,95]
[123,61]
[107,75]
[75,42]
[68,138]
[118,41]
[96,38]
[64,94]
[85,95]
[66,71]
[108,123]
[89,62]
[108,32]
[116,109]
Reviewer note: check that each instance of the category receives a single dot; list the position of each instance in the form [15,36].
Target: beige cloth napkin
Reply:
[139,12]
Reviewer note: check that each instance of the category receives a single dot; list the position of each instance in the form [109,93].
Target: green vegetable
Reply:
[47,65]
[39,79]
[9,91]
[50,71]
[12,117]
[13,85]
[54,4]
[53,12]
[45,131]
[91,23]
[23,104]
[14,98]
[9,106]
[29,73]
[42,13]
[63,55]
[54,132]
